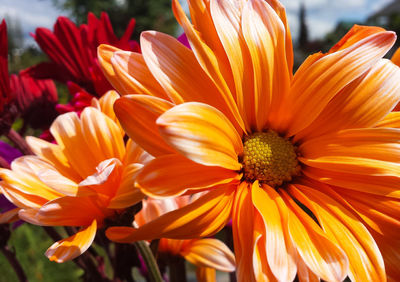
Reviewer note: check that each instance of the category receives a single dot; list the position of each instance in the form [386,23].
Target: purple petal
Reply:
[9,153]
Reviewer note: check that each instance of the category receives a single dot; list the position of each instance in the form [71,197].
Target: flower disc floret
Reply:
[269,158]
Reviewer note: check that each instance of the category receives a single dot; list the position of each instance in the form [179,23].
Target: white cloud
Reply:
[376,6]
[348,4]
[31,14]
[323,15]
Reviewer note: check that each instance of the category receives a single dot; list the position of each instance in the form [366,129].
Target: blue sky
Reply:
[322,15]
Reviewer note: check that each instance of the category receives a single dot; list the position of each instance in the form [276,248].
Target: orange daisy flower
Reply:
[306,165]
[84,179]
[207,254]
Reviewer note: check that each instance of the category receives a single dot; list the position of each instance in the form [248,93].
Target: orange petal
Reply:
[345,229]
[177,70]
[9,216]
[281,12]
[103,134]
[43,177]
[138,114]
[378,185]
[380,213]
[134,75]
[280,259]
[370,143]
[243,235]
[320,254]
[65,211]
[203,217]
[313,87]
[209,253]
[304,273]
[104,183]
[227,18]
[361,166]
[19,198]
[53,154]
[127,194]
[106,103]
[154,208]
[391,120]
[265,37]
[135,154]
[362,103]
[210,62]
[390,252]
[206,274]
[396,57]
[204,23]
[261,268]
[172,175]
[355,34]
[369,153]
[67,131]
[23,177]
[52,178]
[202,134]
[104,54]
[73,246]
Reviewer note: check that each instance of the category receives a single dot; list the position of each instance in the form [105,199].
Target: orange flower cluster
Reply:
[86,177]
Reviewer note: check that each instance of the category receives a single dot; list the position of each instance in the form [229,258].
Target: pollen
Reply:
[269,158]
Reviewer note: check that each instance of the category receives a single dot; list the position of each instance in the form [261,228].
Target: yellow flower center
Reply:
[269,158]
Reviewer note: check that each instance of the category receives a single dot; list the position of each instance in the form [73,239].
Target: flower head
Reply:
[35,99]
[7,108]
[72,51]
[305,164]
[4,77]
[87,177]
[80,100]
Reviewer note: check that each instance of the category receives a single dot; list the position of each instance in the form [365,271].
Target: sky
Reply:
[322,15]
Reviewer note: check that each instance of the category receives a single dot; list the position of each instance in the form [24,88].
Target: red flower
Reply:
[80,100]
[36,100]
[73,51]
[5,94]
[8,111]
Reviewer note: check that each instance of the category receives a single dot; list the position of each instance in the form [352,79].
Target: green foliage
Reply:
[24,58]
[30,242]
[149,14]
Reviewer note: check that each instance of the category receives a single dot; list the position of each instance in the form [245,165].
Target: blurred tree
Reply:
[20,55]
[149,14]
[15,36]
[24,57]
[387,17]
[303,32]
[334,36]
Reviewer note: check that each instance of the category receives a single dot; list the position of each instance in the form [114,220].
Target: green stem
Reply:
[151,264]
[14,263]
